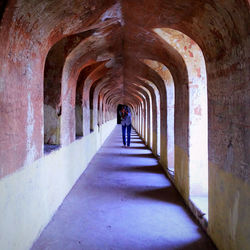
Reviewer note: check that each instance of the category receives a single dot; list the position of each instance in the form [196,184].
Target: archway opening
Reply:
[52,108]
[170,126]
[167,78]
[78,116]
[198,116]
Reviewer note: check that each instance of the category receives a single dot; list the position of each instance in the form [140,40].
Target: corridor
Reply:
[123,200]
[67,69]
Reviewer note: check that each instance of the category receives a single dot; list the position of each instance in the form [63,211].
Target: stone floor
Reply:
[123,201]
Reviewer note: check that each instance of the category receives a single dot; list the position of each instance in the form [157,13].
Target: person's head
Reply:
[127,109]
[123,109]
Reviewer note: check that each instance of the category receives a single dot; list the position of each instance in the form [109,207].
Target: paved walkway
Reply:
[123,201]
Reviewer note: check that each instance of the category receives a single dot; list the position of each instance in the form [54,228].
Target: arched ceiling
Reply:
[110,39]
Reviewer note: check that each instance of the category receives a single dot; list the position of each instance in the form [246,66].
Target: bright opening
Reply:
[198,128]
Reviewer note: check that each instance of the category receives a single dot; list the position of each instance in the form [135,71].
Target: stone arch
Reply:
[129,91]
[197,128]
[84,74]
[149,121]
[166,76]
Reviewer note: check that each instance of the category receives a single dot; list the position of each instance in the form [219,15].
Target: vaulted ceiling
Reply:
[116,36]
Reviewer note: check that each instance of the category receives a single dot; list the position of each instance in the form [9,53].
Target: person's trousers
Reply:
[128,127]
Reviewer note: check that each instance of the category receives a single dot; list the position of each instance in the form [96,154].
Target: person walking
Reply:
[126,124]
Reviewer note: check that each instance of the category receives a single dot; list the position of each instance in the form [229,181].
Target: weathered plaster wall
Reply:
[30,196]
[27,31]
[181,178]
[229,208]
[229,171]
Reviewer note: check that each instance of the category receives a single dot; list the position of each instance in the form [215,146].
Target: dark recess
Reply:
[119,107]
[3,4]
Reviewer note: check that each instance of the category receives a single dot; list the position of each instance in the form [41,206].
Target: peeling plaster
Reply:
[28,72]
[234,212]
[2,84]
[31,149]
[114,11]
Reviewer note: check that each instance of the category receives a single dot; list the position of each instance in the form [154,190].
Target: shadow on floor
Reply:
[155,169]
[49,148]
[164,194]
[132,141]
[146,155]
[199,244]
[142,147]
